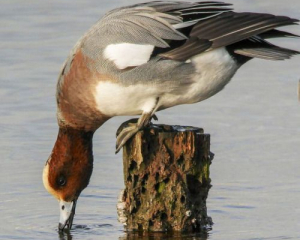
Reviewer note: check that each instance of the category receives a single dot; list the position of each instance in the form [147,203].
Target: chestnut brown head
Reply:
[68,170]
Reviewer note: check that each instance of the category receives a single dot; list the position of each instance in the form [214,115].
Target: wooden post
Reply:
[166,176]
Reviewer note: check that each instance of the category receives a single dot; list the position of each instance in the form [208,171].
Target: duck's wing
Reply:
[131,36]
[127,37]
[247,29]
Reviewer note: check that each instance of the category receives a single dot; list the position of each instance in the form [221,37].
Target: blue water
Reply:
[254,125]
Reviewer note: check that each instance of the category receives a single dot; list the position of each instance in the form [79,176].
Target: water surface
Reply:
[254,126]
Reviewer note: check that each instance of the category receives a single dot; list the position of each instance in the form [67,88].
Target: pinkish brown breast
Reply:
[75,95]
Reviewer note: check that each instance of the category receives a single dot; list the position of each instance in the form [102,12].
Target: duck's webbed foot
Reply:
[126,124]
[131,122]
[131,127]
[154,117]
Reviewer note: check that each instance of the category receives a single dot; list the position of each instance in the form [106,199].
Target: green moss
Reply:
[206,171]
[142,166]
[161,187]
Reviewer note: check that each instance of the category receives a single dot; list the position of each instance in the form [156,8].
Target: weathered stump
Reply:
[166,175]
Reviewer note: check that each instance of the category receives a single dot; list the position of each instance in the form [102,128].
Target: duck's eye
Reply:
[62,181]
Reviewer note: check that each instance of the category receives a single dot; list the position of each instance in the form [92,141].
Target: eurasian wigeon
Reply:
[141,59]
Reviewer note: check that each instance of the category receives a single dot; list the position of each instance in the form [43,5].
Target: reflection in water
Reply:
[68,235]
[164,236]
[65,235]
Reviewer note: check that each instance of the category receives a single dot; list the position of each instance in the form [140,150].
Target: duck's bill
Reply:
[67,212]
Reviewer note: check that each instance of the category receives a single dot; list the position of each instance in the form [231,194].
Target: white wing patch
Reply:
[125,55]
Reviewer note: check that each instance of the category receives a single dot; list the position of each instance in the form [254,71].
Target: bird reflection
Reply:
[65,235]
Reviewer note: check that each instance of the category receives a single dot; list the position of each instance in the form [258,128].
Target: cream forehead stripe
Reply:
[46,182]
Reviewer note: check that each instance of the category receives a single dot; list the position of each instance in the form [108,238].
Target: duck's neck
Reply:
[73,145]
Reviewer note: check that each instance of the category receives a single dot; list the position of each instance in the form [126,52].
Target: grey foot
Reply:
[126,124]
[154,117]
[211,156]
[131,127]
[130,121]
[125,135]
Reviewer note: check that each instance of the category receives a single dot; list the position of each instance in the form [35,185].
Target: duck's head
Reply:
[68,170]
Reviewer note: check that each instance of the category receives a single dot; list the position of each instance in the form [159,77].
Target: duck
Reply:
[144,58]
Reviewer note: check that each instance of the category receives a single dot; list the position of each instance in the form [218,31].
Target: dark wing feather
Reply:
[231,28]
[274,33]
[274,53]
[188,49]
[190,13]
[238,26]
[257,47]
[175,6]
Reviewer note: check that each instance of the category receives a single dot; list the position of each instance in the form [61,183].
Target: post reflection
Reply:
[164,236]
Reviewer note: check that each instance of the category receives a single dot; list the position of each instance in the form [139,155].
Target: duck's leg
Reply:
[127,132]
[132,122]
[132,129]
